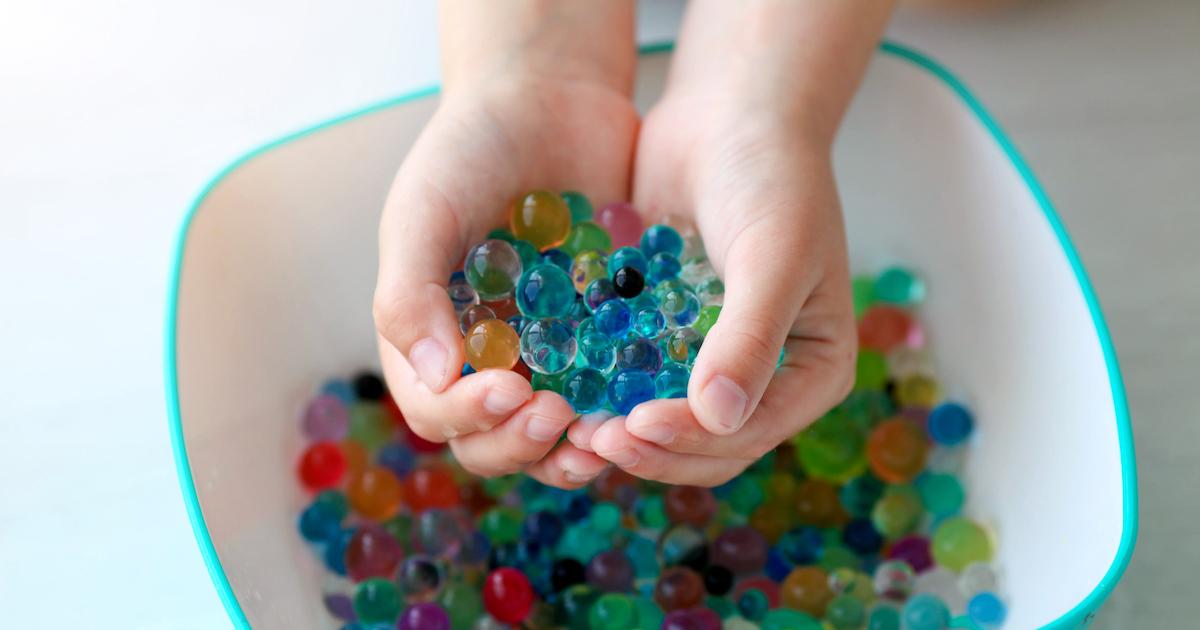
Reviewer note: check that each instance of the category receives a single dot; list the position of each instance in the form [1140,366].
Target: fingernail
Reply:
[428,358]
[657,433]
[542,429]
[578,477]
[624,458]
[725,402]
[500,401]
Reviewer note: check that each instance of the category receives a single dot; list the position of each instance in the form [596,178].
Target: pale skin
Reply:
[537,95]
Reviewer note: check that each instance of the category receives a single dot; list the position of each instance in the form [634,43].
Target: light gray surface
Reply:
[1103,99]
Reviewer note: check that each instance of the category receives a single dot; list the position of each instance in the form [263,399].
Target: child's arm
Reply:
[741,144]
[536,94]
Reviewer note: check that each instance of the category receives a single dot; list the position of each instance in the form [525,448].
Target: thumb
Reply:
[420,243]
[763,297]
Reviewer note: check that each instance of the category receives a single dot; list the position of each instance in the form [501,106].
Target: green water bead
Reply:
[548,382]
[835,556]
[883,617]
[605,517]
[497,487]
[377,600]
[706,319]
[788,619]
[833,449]
[612,611]
[863,289]
[463,603]
[501,525]
[574,604]
[941,493]
[370,425]
[721,605]
[651,512]
[586,235]
[899,286]
[745,495]
[870,371]
[846,612]
[753,604]
[501,234]
[527,251]
[579,205]
[867,407]
[400,528]
[493,267]
[897,513]
[958,542]
[649,614]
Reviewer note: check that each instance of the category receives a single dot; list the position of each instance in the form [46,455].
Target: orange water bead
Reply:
[356,456]
[817,504]
[772,520]
[542,218]
[492,343]
[431,486]
[884,327]
[375,493]
[896,450]
[806,589]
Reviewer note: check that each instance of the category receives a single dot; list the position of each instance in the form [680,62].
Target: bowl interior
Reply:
[275,288]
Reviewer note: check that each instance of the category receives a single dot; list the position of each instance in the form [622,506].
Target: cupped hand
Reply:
[485,145]
[757,182]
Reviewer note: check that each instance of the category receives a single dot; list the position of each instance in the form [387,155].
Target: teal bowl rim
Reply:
[1078,616]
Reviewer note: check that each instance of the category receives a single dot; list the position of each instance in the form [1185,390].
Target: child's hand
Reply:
[489,141]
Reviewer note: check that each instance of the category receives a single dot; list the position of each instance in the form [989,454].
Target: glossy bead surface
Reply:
[958,542]
[507,595]
[672,381]
[628,388]
[492,268]
[639,353]
[623,223]
[628,282]
[588,266]
[542,218]
[548,346]
[896,450]
[492,343]
[586,235]
[661,239]
[586,390]
[545,291]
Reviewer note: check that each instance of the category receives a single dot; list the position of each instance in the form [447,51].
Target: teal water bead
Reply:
[579,205]
[527,251]
[649,322]
[596,351]
[858,496]
[501,234]
[883,617]
[612,611]
[941,493]
[680,307]
[558,258]
[987,610]
[377,600]
[627,257]
[629,388]
[898,285]
[548,346]
[597,293]
[493,269]
[605,517]
[545,291]
[925,611]
[649,614]
[846,612]
[753,604]
[651,511]
[639,353]
[585,389]
[672,381]
[613,318]
[788,619]
[661,238]
[662,266]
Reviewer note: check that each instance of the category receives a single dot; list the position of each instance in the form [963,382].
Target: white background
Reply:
[114,114]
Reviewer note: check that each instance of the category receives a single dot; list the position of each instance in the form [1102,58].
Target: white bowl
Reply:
[275,269]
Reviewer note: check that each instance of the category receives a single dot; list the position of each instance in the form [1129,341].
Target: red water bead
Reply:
[884,327]
[896,450]
[503,309]
[609,483]
[393,411]
[769,587]
[679,587]
[321,466]
[431,486]
[742,550]
[690,504]
[507,595]
[421,445]
[475,498]
[913,550]
[523,370]
[372,552]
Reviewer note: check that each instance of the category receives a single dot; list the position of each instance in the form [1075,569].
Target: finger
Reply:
[516,443]
[813,378]
[567,467]
[474,403]
[648,461]
[580,431]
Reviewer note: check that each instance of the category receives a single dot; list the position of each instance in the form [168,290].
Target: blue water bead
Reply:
[319,522]
[662,266]
[861,536]
[672,380]
[586,390]
[598,292]
[950,424]
[340,389]
[925,611]
[680,307]
[397,458]
[467,370]
[628,388]
[578,507]
[802,545]
[545,291]
[649,322]
[627,257]
[987,610]
[335,550]
[548,346]
[613,318]
[558,258]
[543,527]
[661,238]
[518,323]
[639,353]
[778,567]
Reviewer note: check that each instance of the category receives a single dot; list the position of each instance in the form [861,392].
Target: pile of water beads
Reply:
[856,523]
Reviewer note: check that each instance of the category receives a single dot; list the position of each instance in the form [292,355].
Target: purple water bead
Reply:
[611,571]
[427,616]
[742,550]
[913,550]
[340,606]
[326,419]
[692,619]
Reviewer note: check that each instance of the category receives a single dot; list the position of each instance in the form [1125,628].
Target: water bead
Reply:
[896,450]
[639,353]
[425,616]
[978,577]
[898,285]
[319,523]
[440,532]
[950,424]
[370,425]
[567,572]
[473,315]
[548,382]
[894,580]
[718,580]
[914,550]
[321,466]
[801,545]
[672,381]
[587,267]
[612,611]
[578,204]
[507,595]
[598,292]
[356,455]
[661,238]
[682,544]
[884,327]
[377,600]
[682,345]
[987,610]
[958,542]
[548,346]
[325,419]
[419,577]
[372,552]
[846,612]
[431,486]
[622,222]
[558,258]
[628,388]
[883,617]
[596,351]
[941,493]
[917,390]
[586,390]
[501,524]
[942,583]
[631,257]
[897,513]
[492,268]
[817,503]
[649,322]
[711,292]
[614,319]
[870,370]
[662,266]
[545,291]
[692,505]
[838,556]
[586,235]
[397,458]
[679,587]
[542,218]
[492,344]
[742,550]
[833,449]
[706,319]
[628,282]
[610,571]
[925,611]
[862,537]
[753,604]
[462,602]
[680,307]
[806,589]
[461,293]
[375,493]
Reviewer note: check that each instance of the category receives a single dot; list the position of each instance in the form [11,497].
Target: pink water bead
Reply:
[623,223]
[326,419]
